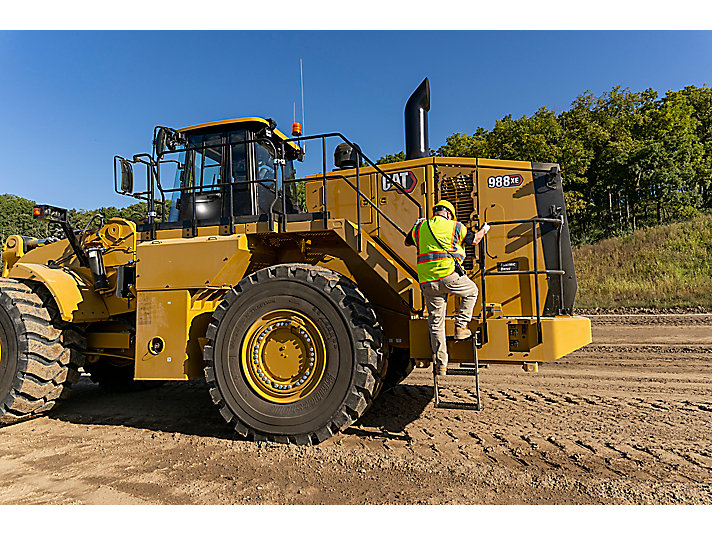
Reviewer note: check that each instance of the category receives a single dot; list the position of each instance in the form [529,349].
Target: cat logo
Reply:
[405,179]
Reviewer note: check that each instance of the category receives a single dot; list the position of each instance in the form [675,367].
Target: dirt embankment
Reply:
[625,420]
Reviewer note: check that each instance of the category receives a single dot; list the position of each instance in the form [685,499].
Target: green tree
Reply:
[16,218]
[391,158]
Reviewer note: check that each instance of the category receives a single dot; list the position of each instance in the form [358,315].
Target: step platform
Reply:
[463,370]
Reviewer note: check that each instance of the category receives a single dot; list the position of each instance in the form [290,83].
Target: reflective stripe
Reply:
[456,235]
[438,247]
[432,256]
[417,236]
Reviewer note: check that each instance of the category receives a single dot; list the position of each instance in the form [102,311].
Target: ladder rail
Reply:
[477,405]
[536,272]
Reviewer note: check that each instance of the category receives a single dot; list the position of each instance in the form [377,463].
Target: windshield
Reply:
[265,163]
[292,190]
[173,213]
[200,166]
[208,162]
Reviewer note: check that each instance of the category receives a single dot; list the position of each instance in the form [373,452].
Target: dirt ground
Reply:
[627,420]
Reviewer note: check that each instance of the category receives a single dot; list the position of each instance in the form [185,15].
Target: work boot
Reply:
[462,332]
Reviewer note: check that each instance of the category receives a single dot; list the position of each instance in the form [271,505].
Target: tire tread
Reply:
[362,321]
[48,359]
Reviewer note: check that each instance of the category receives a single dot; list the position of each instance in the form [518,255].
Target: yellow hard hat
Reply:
[448,205]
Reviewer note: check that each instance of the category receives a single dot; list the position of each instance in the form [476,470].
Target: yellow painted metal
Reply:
[199,262]
[162,314]
[224,122]
[180,317]
[181,278]
[464,183]
[72,291]
[506,243]
[72,285]
[283,356]
[13,249]
[109,340]
[561,336]
[341,200]
[117,238]
[242,120]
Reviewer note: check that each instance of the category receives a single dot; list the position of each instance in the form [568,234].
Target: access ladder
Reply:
[463,370]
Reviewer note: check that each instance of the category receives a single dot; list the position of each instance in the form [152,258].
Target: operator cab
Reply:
[231,169]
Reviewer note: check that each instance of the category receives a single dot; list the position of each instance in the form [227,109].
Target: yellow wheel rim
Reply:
[283,356]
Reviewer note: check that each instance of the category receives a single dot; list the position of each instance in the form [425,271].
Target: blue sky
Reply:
[70,101]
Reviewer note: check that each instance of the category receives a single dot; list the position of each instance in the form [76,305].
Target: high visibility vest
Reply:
[435,262]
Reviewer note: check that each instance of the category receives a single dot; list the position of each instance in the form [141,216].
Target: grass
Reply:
[662,267]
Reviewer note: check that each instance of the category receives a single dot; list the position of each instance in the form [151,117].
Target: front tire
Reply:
[38,360]
[293,354]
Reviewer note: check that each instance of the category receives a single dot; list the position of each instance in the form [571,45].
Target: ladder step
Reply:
[459,405]
[462,371]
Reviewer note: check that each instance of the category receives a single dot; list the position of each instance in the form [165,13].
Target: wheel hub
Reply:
[283,356]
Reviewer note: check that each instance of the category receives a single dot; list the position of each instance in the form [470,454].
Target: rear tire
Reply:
[38,360]
[304,311]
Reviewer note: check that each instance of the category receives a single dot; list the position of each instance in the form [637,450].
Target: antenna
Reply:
[295,112]
[301,79]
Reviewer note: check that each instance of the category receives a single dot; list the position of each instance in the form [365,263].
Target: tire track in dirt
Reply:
[636,418]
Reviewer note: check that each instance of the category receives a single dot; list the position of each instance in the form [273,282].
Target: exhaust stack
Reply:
[416,122]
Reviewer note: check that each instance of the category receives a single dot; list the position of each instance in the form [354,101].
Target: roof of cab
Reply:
[227,122]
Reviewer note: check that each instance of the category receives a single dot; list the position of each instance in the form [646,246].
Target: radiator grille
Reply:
[459,190]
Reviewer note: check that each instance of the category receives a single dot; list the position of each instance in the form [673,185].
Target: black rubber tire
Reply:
[354,354]
[400,365]
[40,359]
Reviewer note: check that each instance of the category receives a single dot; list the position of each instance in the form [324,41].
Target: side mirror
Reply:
[126,176]
[161,142]
[166,139]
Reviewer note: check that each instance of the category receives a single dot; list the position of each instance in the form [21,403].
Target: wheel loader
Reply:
[295,297]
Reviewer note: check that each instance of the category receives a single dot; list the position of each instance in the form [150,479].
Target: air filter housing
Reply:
[345,157]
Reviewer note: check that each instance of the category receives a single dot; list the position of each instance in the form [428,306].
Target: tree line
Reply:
[629,159]
[16,217]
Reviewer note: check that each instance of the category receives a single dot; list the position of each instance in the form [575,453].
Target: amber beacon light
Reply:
[296,129]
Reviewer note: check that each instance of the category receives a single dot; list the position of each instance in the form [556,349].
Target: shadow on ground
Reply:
[182,407]
[392,412]
[186,408]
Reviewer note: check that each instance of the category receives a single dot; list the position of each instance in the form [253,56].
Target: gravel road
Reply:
[627,420]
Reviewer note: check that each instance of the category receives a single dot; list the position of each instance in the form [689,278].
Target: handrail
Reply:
[279,151]
[356,188]
[558,222]
[362,155]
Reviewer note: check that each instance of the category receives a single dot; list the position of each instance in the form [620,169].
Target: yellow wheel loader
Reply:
[295,297]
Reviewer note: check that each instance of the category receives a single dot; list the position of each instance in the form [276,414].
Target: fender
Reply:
[75,296]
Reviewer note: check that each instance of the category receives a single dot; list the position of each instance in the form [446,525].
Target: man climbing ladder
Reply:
[440,243]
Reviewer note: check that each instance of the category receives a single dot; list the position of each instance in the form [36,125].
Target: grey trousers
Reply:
[435,295]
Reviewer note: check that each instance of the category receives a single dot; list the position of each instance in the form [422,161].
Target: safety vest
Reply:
[434,262]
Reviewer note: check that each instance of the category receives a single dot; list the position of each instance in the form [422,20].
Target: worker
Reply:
[440,243]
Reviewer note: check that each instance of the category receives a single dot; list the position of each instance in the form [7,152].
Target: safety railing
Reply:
[279,149]
[357,187]
[558,224]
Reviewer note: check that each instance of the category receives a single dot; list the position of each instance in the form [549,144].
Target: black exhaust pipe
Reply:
[416,122]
